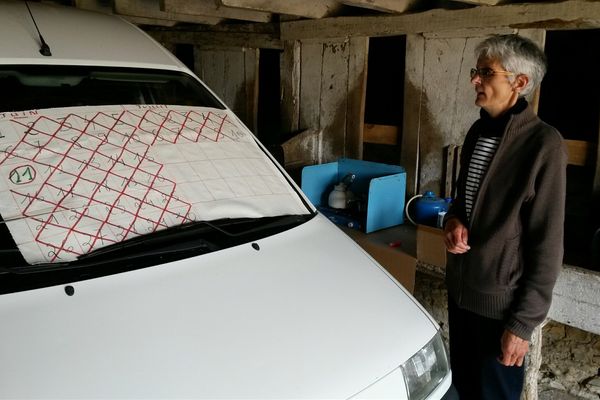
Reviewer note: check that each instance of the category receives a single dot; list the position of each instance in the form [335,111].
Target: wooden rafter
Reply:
[210,8]
[301,8]
[94,5]
[568,14]
[150,9]
[482,2]
[392,6]
[150,21]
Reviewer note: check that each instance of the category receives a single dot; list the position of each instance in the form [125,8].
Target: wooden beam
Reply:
[301,8]
[533,362]
[570,14]
[210,8]
[575,299]
[251,69]
[290,84]
[311,72]
[218,39]
[358,60]
[334,98]
[580,152]
[392,6]
[151,9]
[481,2]
[380,134]
[413,99]
[596,184]
[94,5]
[149,21]
[451,169]
[302,149]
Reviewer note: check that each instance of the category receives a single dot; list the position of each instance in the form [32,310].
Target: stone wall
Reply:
[570,356]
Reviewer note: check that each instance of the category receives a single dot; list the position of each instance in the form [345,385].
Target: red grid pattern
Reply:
[100,184]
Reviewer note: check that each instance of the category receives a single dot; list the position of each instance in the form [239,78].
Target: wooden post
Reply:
[533,361]
[449,170]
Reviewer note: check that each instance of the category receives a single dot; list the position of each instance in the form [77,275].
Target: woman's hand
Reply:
[456,236]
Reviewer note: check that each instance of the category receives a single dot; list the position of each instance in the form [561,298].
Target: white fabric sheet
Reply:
[76,179]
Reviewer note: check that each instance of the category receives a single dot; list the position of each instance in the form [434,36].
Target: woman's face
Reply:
[495,94]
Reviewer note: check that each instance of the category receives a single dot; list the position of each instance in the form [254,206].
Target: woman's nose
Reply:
[476,79]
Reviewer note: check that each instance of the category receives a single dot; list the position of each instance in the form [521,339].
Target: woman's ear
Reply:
[520,82]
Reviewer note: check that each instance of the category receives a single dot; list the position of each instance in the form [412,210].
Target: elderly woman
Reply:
[505,228]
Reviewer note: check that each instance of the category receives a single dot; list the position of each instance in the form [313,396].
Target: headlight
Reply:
[426,369]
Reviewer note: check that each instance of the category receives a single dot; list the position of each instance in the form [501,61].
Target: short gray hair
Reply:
[518,55]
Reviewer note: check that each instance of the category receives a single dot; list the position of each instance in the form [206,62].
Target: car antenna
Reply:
[45,49]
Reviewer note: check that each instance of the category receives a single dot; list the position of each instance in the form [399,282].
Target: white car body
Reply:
[304,313]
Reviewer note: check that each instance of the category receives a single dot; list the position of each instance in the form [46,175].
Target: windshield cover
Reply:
[79,178]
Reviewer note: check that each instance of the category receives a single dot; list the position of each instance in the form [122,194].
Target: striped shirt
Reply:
[484,151]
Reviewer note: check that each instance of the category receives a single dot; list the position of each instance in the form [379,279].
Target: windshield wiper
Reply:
[197,246]
[168,243]
[224,233]
[155,242]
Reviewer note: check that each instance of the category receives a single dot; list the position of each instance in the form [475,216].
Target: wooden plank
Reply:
[149,21]
[470,32]
[94,5]
[448,110]
[533,362]
[538,36]
[575,300]
[301,8]
[216,40]
[450,169]
[249,28]
[234,78]
[311,65]
[357,90]
[381,134]
[596,185]
[481,2]
[251,68]
[580,152]
[212,64]
[210,8]
[290,81]
[393,6]
[413,91]
[334,99]
[568,14]
[302,149]
[151,9]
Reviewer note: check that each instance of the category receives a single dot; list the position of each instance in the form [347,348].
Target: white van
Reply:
[152,248]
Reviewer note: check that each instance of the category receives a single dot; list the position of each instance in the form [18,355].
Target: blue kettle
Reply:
[426,208]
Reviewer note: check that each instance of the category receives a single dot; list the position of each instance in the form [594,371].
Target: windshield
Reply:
[49,86]
[94,157]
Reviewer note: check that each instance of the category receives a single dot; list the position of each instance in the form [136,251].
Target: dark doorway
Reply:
[570,101]
[269,108]
[268,121]
[385,98]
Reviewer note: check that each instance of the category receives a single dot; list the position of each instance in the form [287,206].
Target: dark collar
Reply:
[495,126]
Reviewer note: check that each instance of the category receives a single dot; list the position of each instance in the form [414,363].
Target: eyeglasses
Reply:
[486,73]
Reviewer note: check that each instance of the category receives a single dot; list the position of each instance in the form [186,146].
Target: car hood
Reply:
[304,313]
